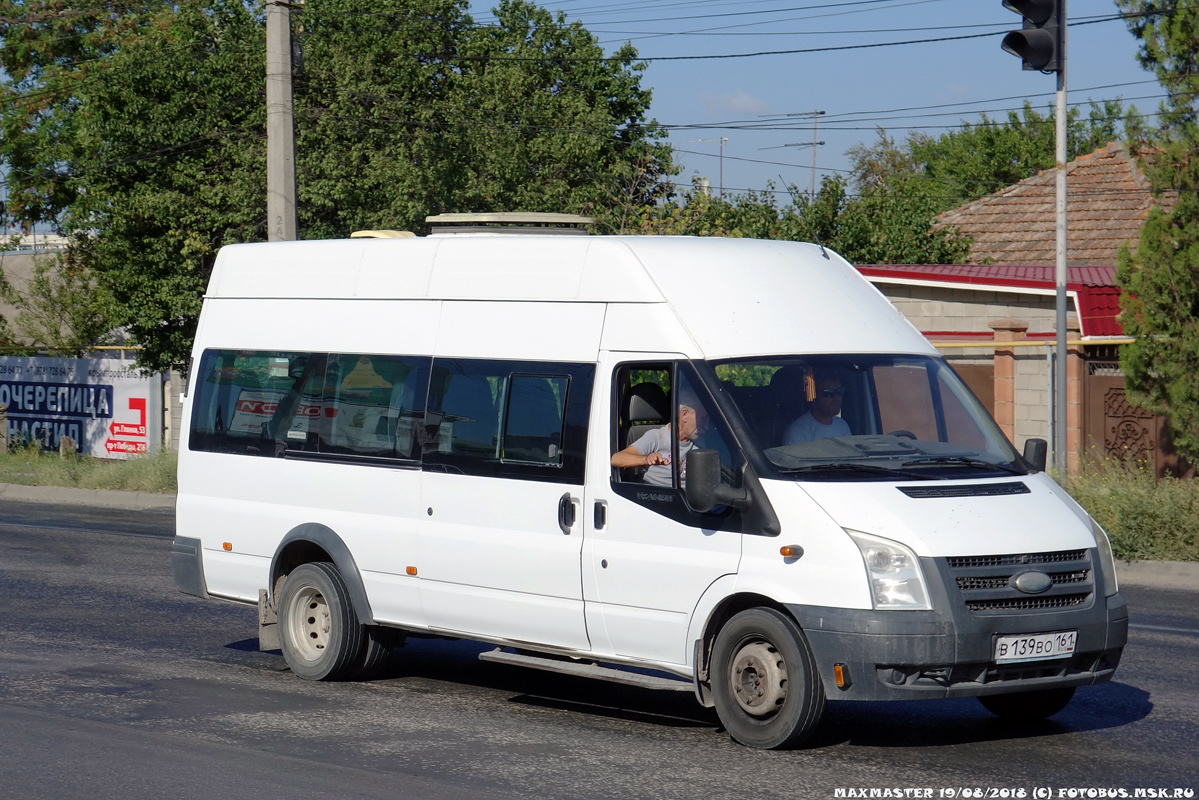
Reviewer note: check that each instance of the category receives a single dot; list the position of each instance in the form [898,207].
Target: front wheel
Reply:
[319,633]
[1027,706]
[767,691]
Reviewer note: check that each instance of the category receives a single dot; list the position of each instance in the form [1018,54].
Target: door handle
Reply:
[601,514]
[566,513]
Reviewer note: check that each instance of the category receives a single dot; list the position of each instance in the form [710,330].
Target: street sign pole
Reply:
[1060,460]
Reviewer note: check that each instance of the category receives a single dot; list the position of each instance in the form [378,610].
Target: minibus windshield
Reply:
[865,417]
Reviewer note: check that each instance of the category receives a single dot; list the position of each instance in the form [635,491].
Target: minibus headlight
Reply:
[896,580]
[1107,562]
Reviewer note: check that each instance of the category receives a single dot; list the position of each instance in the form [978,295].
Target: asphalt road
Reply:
[113,685]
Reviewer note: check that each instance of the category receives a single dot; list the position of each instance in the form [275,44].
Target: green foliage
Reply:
[28,466]
[62,307]
[901,190]
[1161,305]
[1145,518]
[141,130]
[979,158]
[885,226]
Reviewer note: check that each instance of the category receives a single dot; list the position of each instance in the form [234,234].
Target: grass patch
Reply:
[29,466]
[1145,517]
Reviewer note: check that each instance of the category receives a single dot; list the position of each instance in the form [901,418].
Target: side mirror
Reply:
[1036,452]
[703,486]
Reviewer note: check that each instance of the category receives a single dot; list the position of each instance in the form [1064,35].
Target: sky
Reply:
[746,100]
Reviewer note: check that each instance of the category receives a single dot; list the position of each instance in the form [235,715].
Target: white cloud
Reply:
[738,102]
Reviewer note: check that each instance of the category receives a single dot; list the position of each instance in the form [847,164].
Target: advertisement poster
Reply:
[105,405]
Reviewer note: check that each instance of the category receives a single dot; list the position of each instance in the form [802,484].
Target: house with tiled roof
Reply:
[1107,201]
[994,318]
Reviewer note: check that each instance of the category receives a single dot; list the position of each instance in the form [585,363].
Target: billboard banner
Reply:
[107,407]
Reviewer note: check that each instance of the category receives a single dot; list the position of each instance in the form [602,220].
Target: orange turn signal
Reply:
[410,570]
[791,551]
[228,547]
[841,674]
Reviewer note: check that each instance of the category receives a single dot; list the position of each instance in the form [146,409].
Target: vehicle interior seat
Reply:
[788,402]
[645,407]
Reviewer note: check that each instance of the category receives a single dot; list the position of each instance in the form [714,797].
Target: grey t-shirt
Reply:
[658,439]
[808,429]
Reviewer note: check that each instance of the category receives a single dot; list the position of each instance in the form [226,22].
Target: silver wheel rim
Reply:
[759,678]
[308,622]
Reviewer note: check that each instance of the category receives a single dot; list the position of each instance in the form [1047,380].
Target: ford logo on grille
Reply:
[1032,582]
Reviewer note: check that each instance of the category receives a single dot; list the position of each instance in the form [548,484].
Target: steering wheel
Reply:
[902,434]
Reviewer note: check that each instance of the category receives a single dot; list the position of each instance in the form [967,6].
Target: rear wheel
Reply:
[319,633]
[1028,705]
[764,680]
[379,642]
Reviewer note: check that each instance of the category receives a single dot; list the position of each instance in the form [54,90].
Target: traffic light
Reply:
[1039,44]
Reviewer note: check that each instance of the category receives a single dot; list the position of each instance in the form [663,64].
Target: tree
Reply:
[885,226]
[62,307]
[139,129]
[1160,306]
[980,158]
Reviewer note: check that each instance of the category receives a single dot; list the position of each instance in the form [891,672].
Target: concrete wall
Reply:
[936,308]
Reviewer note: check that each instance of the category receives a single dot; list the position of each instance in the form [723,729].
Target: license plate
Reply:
[1034,646]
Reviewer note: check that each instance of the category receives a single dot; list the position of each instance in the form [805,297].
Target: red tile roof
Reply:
[1107,200]
[1098,295]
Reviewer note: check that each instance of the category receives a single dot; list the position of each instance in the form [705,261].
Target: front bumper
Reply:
[948,652]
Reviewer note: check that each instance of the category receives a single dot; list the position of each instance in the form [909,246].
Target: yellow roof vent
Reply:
[382,235]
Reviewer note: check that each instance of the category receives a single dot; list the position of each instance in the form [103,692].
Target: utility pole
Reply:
[815,115]
[812,144]
[1041,45]
[280,136]
[1060,269]
[722,140]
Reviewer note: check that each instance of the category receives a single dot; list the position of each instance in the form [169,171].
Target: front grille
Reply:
[1025,560]
[988,584]
[1030,604]
[967,583]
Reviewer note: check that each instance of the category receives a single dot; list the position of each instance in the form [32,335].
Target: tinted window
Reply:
[373,405]
[508,418]
[238,393]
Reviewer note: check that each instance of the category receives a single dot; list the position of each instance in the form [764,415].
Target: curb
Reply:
[1178,575]
[89,497]
[1181,575]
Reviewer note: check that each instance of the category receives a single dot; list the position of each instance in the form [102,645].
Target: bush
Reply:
[29,466]
[1145,517]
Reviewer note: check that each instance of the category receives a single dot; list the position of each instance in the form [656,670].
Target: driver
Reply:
[822,420]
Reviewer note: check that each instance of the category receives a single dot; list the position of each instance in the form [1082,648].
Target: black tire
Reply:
[767,691]
[1027,706]
[319,633]
[377,647]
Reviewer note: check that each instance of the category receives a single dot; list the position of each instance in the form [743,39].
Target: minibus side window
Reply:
[533,419]
[648,416]
[237,395]
[694,414]
[508,419]
[373,405]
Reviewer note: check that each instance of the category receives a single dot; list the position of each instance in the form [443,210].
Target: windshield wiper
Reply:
[850,466]
[963,461]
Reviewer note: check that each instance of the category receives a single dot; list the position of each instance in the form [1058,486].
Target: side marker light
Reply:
[228,547]
[841,674]
[410,570]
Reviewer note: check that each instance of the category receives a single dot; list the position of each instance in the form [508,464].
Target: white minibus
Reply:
[723,466]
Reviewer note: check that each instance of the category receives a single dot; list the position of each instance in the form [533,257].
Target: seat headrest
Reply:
[646,402]
[788,382]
